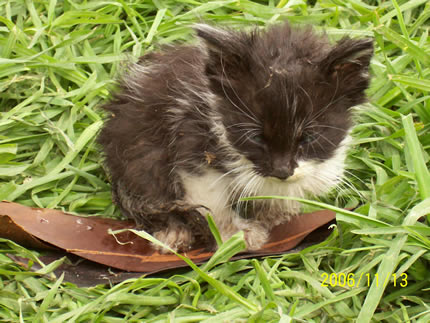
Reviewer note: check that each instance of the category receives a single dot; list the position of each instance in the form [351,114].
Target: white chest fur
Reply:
[210,190]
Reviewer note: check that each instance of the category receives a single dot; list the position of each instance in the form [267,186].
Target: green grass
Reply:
[58,61]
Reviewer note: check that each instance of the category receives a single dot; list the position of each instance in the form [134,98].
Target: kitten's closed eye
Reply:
[258,139]
[308,138]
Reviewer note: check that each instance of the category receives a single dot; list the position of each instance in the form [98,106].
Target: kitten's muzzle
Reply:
[283,169]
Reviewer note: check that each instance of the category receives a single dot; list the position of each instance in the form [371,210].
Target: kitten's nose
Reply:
[283,170]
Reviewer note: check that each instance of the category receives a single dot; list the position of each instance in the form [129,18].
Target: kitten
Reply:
[194,128]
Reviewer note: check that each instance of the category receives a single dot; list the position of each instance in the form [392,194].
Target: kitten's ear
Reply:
[349,58]
[227,49]
[216,39]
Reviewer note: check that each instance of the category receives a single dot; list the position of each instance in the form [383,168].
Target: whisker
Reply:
[238,169]
[324,126]
[240,100]
[327,140]
[309,98]
[249,114]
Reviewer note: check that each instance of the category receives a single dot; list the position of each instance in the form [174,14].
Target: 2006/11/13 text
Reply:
[351,280]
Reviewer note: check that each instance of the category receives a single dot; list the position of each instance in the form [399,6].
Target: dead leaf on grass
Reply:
[88,237]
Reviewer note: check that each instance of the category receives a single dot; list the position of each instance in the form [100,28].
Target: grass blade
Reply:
[420,170]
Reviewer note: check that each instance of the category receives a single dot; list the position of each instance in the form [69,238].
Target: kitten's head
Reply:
[285,94]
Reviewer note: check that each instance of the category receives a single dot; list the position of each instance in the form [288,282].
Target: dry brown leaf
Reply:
[88,237]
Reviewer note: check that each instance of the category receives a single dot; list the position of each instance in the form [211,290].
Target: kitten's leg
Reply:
[182,230]
[262,217]
[175,223]
[275,212]
[176,235]
[255,233]
[149,191]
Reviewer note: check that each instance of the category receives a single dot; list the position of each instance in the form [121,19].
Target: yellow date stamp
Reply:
[353,280]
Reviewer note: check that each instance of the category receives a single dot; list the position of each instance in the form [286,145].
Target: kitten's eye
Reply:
[259,139]
[307,138]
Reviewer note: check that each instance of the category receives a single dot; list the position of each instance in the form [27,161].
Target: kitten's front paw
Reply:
[256,234]
[177,238]
[255,237]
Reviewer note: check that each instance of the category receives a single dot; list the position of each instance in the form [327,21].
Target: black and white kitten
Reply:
[193,129]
